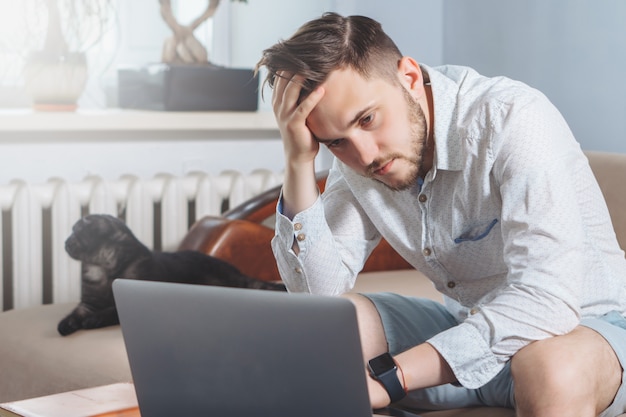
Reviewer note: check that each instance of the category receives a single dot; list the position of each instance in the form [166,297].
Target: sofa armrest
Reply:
[241,237]
[610,172]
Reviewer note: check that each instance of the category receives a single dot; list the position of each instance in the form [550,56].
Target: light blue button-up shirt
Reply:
[509,224]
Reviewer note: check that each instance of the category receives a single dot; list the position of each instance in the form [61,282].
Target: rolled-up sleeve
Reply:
[334,238]
[316,256]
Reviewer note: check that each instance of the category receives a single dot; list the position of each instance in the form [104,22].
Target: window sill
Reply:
[111,120]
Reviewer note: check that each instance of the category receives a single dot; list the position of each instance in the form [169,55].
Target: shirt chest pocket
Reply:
[476,252]
[476,232]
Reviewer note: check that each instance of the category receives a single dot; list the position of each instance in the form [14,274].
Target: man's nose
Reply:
[365,149]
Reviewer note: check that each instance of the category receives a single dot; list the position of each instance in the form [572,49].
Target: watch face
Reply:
[381,364]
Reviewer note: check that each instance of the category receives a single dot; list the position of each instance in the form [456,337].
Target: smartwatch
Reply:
[384,369]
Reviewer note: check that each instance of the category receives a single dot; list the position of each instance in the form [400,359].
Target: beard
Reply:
[419,147]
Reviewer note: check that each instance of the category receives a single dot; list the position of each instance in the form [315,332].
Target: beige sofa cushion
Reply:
[610,172]
[35,360]
[404,281]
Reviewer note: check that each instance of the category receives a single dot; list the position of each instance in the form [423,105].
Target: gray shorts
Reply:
[411,321]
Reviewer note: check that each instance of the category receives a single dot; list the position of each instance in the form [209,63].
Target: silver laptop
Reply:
[213,351]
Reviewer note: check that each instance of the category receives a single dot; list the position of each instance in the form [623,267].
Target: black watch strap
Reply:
[384,369]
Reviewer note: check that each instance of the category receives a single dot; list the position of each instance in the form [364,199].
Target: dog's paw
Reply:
[69,325]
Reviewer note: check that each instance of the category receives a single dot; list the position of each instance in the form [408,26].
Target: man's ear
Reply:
[410,75]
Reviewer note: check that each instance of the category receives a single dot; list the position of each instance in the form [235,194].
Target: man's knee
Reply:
[540,366]
[371,328]
[559,372]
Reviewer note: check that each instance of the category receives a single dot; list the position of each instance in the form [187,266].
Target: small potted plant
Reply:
[55,75]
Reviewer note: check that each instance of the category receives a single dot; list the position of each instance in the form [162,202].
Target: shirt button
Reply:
[298,270]
[422,198]
[427,252]
[297,226]
[301,237]
[451,284]
[473,311]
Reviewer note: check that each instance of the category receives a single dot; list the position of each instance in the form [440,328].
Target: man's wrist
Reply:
[385,370]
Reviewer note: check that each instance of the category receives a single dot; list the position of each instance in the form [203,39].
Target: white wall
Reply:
[415,25]
[572,50]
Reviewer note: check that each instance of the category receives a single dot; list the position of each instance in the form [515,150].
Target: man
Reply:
[478,183]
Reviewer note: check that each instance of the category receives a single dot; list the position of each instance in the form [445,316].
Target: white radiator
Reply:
[37,218]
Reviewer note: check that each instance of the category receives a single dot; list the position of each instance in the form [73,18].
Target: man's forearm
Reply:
[419,367]
[299,188]
[424,367]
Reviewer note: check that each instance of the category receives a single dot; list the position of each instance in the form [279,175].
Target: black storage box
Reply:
[174,87]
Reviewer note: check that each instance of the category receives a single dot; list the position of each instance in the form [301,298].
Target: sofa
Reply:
[35,360]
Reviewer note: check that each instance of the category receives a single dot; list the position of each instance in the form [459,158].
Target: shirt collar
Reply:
[445,85]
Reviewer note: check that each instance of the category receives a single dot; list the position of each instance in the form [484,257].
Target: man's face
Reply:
[373,126]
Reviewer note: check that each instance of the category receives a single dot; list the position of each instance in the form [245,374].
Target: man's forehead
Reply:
[346,95]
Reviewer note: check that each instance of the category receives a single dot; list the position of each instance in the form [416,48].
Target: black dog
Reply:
[109,250]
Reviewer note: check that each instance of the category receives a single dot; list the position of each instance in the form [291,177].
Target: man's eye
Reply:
[367,120]
[334,143]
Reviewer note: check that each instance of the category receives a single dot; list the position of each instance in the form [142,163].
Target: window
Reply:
[131,35]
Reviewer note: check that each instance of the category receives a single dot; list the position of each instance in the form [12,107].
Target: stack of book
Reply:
[115,400]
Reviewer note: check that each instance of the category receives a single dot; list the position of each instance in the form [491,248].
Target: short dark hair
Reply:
[329,43]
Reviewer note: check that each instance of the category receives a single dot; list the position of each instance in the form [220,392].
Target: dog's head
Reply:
[102,240]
